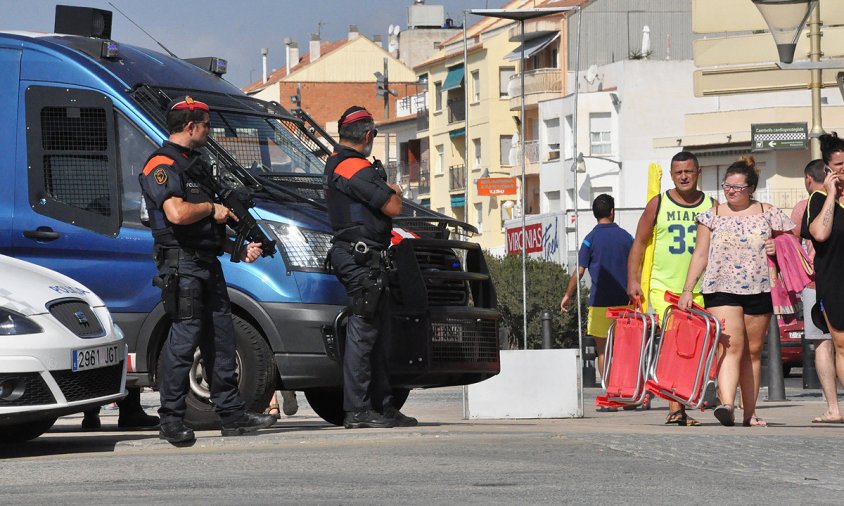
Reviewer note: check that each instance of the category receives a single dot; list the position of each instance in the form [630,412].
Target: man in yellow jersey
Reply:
[670,219]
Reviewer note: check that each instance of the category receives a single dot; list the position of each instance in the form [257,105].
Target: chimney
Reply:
[353,32]
[291,53]
[264,53]
[377,39]
[315,47]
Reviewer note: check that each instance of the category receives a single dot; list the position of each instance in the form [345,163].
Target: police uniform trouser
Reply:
[366,383]
[211,328]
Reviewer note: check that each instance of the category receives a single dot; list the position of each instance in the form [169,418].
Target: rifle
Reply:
[246,228]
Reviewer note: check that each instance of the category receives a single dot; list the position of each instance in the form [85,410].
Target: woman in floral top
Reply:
[732,242]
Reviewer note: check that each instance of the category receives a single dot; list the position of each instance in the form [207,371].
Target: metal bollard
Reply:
[589,356]
[546,330]
[810,374]
[776,384]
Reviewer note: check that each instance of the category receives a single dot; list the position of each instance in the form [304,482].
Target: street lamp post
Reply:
[786,20]
[521,16]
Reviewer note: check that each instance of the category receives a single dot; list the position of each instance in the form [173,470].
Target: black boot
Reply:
[248,422]
[176,433]
[91,420]
[368,419]
[400,418]
[132,415]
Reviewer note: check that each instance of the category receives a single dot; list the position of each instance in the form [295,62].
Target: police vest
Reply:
[164,172]
[352,219]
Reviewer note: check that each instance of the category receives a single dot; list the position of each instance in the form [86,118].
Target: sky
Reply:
[235,29]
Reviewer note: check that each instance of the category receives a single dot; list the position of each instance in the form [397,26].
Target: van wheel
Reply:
[23,432]
[255,371]
[328,402]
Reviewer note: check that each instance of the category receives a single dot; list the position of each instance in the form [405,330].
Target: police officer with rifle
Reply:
[188,226]
[361,205]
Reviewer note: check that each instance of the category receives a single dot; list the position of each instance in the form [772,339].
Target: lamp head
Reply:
[785,19]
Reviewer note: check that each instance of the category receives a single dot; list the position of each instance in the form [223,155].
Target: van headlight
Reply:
[302,249]
[13,324]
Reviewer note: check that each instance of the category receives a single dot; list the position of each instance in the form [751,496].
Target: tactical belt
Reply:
[188,254]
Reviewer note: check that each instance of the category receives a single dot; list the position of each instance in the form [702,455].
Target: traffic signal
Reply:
[381,85]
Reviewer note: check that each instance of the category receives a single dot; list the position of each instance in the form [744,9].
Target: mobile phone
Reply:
[827,169]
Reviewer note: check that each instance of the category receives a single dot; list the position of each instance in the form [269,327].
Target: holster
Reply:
[167,279]
[366,301]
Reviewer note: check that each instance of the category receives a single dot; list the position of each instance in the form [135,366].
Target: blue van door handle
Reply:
[41,234]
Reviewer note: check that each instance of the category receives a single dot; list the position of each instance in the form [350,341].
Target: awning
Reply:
[460,132]
[458,200]
[454,79]
[533,46]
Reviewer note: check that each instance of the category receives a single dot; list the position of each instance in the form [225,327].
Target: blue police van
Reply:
[80,115]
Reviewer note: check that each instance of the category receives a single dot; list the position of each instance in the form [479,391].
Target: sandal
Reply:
[754,421]
[681,419]
[273,411]
[724,413]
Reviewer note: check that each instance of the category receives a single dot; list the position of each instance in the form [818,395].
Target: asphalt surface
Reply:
[626,457]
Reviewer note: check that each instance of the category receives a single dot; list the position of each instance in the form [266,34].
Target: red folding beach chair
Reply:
[626,357]
[684,366]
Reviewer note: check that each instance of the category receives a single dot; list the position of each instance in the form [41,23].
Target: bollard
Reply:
[776,384]
[810,374]
[589,356]
[546,330]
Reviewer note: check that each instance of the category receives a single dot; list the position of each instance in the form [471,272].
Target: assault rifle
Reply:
[246,228]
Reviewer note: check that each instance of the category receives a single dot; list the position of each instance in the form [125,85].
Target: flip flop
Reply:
[681,419]
[754,421]
[725,415]
[825,419]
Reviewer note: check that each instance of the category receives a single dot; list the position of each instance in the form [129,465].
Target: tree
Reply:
[546,284]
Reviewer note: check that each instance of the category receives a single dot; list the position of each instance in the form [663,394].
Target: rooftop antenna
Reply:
[141,29]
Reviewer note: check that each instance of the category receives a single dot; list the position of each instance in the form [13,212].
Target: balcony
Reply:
[532,151]
[423,185]
[456,110]
[422,120]
[533,28]
[457,178]
[540,84]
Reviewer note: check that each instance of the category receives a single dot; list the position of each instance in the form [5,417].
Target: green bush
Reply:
[546,284]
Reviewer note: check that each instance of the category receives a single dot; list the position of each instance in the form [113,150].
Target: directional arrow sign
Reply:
[779,136]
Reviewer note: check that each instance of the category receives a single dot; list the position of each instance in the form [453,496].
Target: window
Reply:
[438,97]
[440,159]
[134,149]
[477,145]
[479,212]
[552,138]
[600,141]
[505,142]
[597,190]
[567,139]
[476,86]
[504,75]
[72,157]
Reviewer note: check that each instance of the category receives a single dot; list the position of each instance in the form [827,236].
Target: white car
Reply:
[60,351]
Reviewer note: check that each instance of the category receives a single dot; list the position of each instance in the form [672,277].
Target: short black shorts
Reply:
[757,303]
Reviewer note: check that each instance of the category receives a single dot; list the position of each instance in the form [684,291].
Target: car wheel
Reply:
[328,402]
[255,371]
[22,432]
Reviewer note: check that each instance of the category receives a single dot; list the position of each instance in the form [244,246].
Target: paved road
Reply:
[625,457]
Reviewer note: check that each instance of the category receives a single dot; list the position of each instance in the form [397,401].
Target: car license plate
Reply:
[795,334]
[93,358]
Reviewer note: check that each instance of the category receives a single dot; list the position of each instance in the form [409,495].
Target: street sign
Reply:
[779,136]
[494,186]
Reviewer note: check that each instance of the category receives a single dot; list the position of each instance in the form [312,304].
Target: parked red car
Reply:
[791,339]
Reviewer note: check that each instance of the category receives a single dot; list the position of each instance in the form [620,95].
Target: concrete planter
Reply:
[532,384]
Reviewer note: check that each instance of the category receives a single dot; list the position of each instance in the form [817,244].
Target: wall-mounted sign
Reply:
[495,186]
[778,136]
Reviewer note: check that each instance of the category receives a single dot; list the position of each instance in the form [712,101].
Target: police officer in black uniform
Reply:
[361,205]
[189,231]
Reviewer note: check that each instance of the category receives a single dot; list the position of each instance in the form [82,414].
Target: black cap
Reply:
[353,114]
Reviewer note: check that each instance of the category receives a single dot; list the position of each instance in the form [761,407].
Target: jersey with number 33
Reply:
[676,232]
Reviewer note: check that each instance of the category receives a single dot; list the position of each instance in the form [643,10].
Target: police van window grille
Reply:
[80,181]
[255,142]
[307,186]
[73,129]
[296,131]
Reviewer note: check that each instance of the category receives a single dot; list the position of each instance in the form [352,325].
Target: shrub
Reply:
[546,284]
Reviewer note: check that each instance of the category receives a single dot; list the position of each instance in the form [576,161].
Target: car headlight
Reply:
[13,324]
[303,249]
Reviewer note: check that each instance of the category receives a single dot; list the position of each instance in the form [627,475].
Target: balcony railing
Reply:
[423,186]
[548,80]
[457,177]
[532,151]
[456,110]
[422,120]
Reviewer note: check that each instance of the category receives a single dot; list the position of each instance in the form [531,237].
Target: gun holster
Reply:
[367,299]
[167,279]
